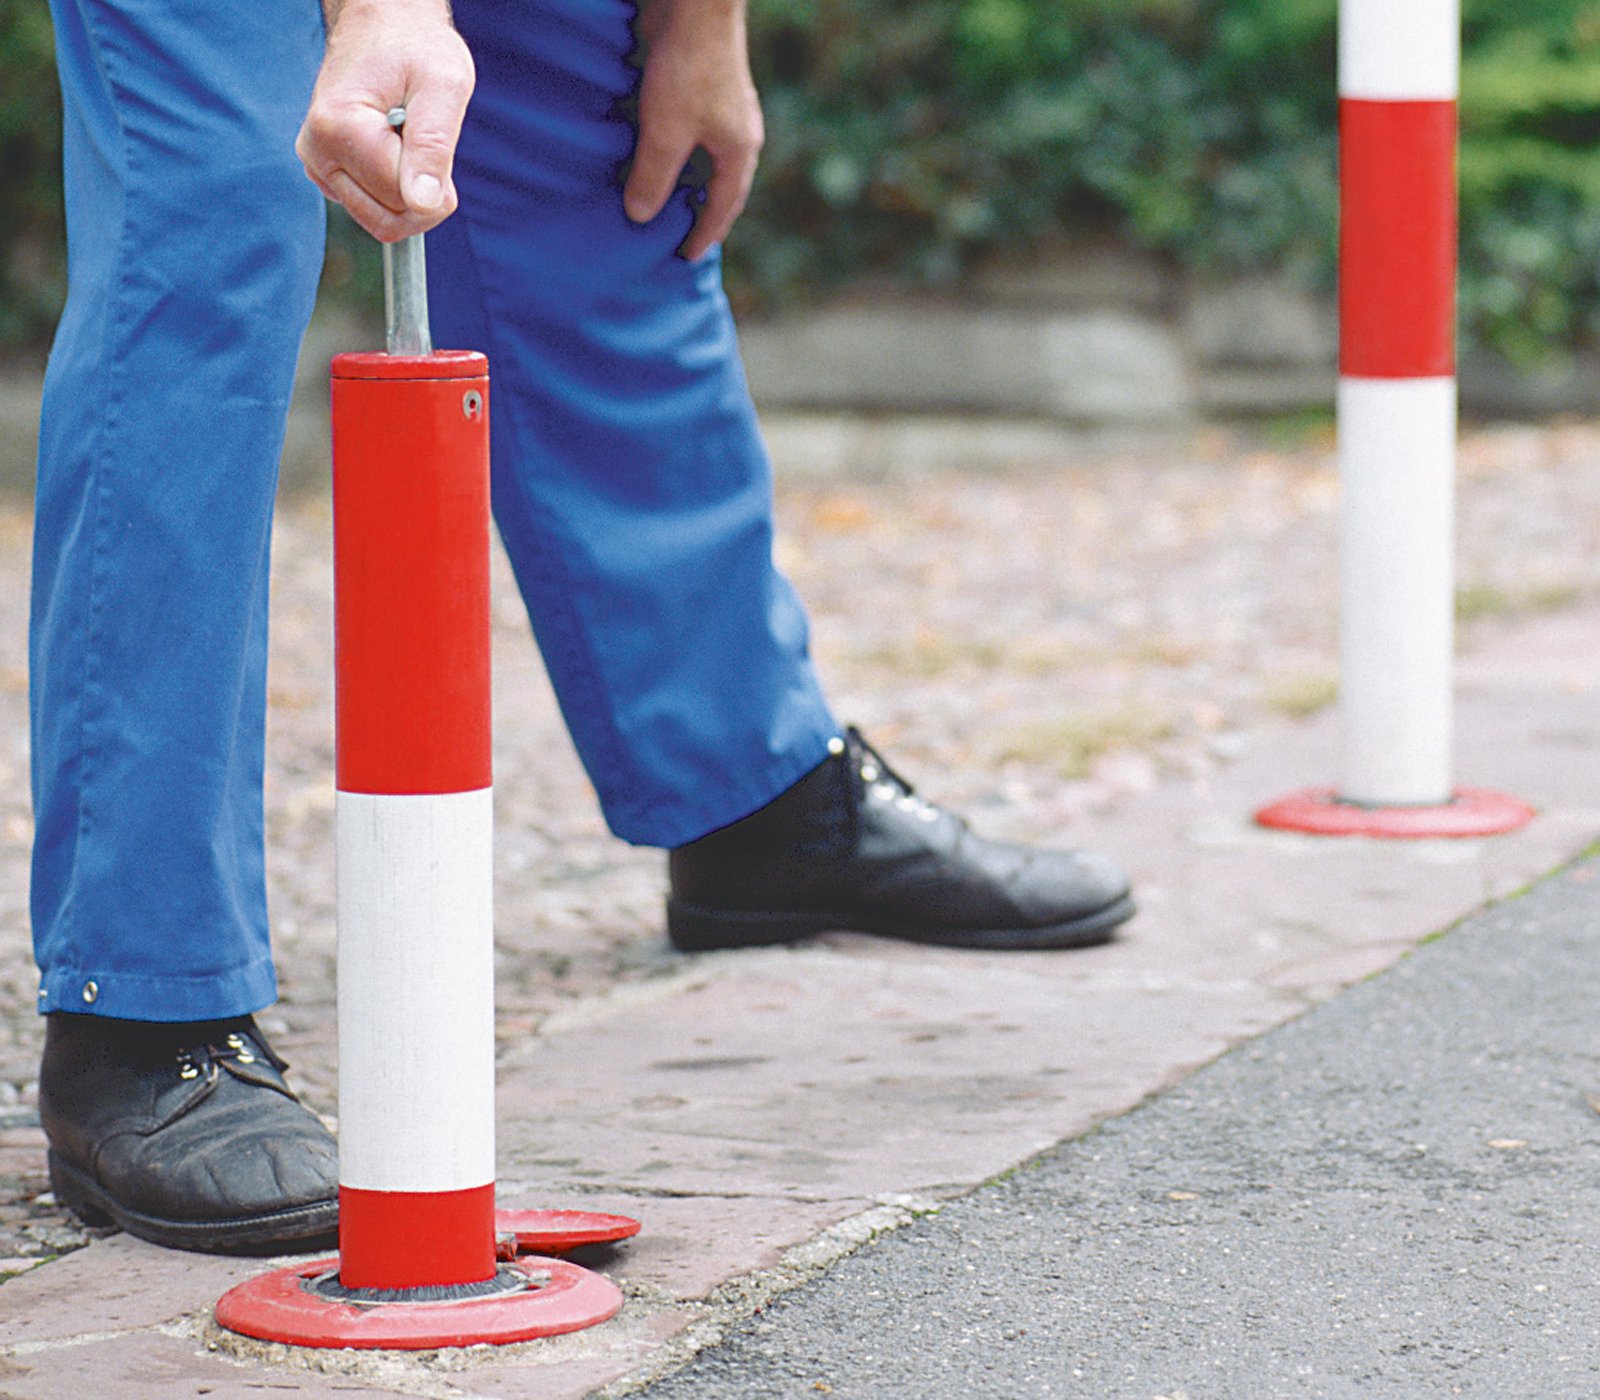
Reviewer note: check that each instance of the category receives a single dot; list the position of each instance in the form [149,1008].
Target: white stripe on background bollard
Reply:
[1397,464]
[416,991]
[1399,50]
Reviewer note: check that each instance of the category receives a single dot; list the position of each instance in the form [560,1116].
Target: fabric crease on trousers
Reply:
[631,487]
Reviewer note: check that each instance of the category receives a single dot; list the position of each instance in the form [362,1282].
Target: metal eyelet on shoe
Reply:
[244,1057]
[187,1068]
[869,773]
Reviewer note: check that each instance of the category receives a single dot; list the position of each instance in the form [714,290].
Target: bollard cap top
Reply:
[442,364]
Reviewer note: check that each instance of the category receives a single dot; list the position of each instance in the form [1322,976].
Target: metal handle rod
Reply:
[405,286]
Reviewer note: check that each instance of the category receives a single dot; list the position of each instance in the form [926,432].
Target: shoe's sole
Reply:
[299,1229]
[693,929]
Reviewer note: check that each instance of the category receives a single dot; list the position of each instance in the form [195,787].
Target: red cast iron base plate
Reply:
[557,1231]
[1472,812]
[280,1307]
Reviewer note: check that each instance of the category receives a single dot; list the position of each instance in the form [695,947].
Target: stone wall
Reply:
[1087,338]
[1087,335]
[1098,337]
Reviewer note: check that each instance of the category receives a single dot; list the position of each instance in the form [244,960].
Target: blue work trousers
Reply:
[630,483]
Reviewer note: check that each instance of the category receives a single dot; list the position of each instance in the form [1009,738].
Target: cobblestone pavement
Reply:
[1037,642]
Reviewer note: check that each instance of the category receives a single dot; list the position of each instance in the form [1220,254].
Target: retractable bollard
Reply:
[1399,67]
[424,1259]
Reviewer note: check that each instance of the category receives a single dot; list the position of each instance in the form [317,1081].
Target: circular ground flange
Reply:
[1322,812]
[557,1231]
[283,1307]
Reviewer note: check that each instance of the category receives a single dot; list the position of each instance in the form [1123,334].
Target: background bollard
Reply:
[1399,66]
[422,1260]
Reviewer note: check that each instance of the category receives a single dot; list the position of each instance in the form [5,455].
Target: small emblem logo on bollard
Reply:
[471,404]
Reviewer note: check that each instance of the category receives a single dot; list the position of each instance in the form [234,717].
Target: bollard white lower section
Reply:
[1397,463]
[416,991]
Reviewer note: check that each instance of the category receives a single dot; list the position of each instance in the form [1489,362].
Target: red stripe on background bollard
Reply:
[1397,239]
[412,604]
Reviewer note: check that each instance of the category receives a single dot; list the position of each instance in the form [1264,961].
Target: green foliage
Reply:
[31,277]
[1530,176]
[906,141]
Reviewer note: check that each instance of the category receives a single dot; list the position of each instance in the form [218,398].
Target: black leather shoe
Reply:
[185,1135]
[851,847]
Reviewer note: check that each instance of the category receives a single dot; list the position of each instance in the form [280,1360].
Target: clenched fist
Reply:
[383,54]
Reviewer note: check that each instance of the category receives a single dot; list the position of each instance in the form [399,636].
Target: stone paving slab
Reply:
[694,1244]
[118,1284]
[152,1366]
[829,1073]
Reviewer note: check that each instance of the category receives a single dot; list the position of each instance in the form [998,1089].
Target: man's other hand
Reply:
[383,54]
[696,95]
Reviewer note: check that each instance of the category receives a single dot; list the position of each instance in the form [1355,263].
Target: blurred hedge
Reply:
[1530,174]
[31,281]
[911,138]
[906,141]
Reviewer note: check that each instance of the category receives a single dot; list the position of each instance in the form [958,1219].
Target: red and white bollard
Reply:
[1399,67]
[423,1259]
[415,824]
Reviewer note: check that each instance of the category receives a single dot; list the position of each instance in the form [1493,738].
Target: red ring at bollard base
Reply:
[1322,812]
[280,1307]
[557,1231]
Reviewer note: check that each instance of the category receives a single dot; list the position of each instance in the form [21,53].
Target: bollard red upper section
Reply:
[411,572]
[1397,239]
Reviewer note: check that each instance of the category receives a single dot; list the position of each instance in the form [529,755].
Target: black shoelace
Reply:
[884,783]
[241,1044]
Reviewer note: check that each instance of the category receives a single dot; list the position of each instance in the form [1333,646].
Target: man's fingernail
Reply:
[426,192]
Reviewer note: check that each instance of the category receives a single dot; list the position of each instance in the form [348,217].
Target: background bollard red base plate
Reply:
[1321,812]
[280,1307]
[557,1231]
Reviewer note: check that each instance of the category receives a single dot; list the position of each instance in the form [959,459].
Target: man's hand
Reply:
[696,95]
[383,54]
